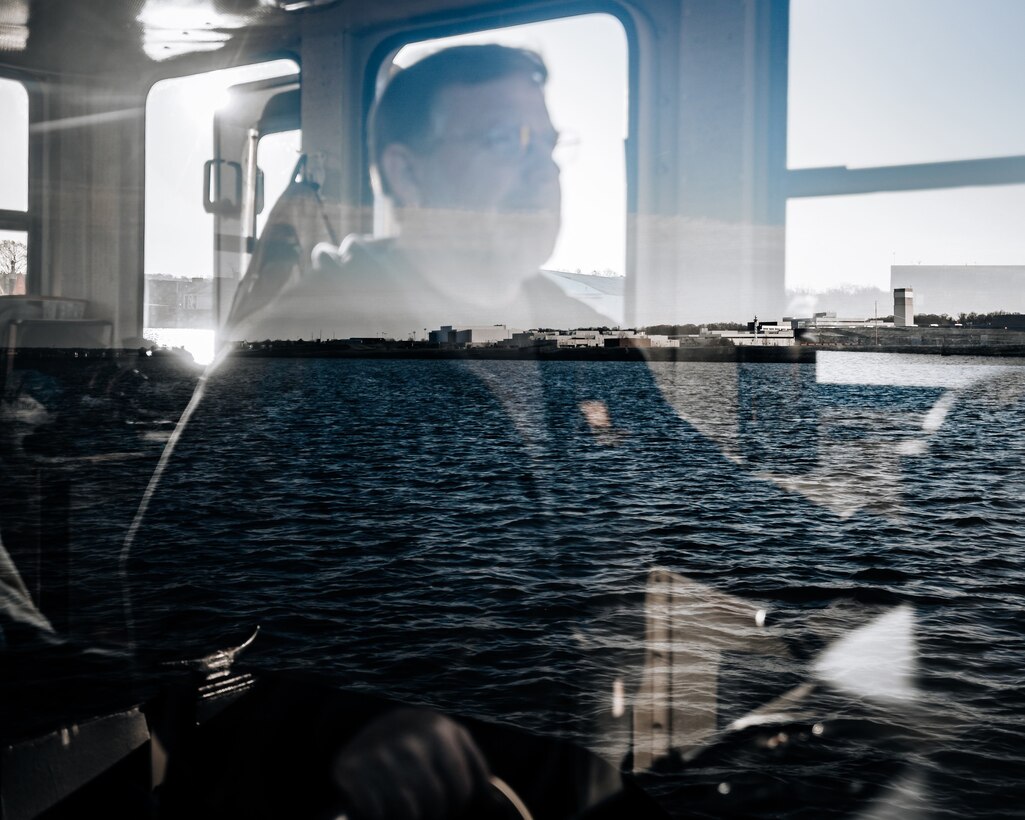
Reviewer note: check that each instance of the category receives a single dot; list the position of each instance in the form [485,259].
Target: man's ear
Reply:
[400,174]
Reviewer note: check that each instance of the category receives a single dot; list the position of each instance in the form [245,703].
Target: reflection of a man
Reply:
[462,148]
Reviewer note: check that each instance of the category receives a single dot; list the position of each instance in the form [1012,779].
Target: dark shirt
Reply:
[372,289]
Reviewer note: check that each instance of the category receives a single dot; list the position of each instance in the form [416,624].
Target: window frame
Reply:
[843,181]
[26,221]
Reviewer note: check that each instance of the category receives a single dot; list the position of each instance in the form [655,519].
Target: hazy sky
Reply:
[871,82]
[885,82]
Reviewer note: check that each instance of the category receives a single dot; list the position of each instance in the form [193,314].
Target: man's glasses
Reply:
[514,143]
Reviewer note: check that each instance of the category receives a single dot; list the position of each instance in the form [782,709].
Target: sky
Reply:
[872,82]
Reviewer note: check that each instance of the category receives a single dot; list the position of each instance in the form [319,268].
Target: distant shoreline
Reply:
[418,351]
[805,353]
[710,353]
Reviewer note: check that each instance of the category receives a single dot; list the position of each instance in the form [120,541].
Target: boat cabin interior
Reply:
[786,161]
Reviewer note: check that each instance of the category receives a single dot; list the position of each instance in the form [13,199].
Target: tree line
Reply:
[13,261]
[691,330]
[998,319]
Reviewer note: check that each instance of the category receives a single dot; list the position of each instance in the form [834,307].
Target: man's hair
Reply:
[403,113]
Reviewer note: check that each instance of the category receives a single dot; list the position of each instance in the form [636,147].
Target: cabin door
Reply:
[256,146]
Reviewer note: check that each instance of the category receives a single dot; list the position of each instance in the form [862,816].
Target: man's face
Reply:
[493,149]
[488,179]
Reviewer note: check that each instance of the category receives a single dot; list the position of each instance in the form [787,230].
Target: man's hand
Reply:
[410,764]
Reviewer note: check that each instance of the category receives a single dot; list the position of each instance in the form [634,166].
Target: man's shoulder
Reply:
[350,290]
[553,307]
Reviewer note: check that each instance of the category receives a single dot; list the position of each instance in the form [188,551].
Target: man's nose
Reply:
[541,176]
[540,158]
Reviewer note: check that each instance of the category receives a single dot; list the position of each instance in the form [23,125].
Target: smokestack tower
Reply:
[903,307]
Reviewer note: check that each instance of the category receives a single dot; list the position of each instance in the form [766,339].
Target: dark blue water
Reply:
[476,536]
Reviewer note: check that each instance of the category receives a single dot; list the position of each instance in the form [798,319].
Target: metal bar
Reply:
[839,180]
[13,220]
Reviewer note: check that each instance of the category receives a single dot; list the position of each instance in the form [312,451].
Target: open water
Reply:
[477,536]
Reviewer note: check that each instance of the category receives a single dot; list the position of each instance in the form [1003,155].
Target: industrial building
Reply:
[501,335]
[470,336]
[954,289]
[829,320]
[758,334]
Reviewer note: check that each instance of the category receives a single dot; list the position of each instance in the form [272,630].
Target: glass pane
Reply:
[276,155]
[14,146]
[179,233]
[13,261]
[873,82]
[841,250]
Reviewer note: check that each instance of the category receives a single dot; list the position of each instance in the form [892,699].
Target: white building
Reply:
[658,340]
[574,338]
[903,307]
[829,320]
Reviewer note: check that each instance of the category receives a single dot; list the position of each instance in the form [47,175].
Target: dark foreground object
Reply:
[212,742]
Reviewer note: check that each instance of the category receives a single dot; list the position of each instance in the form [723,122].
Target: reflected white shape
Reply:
[758,718]
[937,414]
[198,342]
[906,798]
[171,29]
[618,698]
[913,447]
[875,661]
[902,370]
